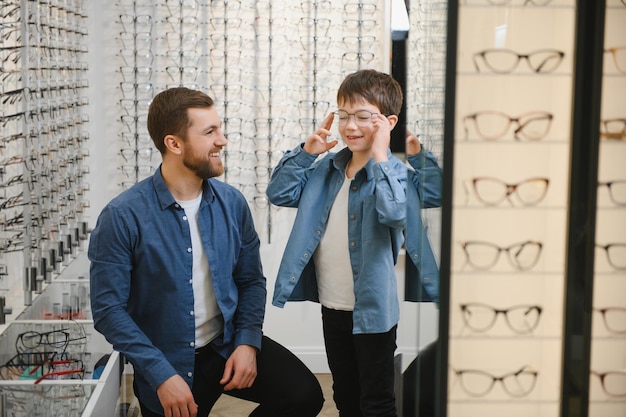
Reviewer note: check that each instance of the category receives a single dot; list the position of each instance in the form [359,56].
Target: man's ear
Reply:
[393,120]
[172,143]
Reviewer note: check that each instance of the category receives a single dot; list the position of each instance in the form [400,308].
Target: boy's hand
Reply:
[317,144]
[413,145]
[382,137]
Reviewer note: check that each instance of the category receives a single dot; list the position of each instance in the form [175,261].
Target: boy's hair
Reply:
[375,87]
[167,114]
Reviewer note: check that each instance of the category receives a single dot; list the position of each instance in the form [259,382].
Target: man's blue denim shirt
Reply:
[141,278]
[377,215]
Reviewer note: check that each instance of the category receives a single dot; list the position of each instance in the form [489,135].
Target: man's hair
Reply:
[375,87]
[168,113]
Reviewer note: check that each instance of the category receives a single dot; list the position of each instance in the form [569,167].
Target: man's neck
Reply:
[181,182]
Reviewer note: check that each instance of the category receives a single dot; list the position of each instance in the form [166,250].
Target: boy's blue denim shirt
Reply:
[424,191]
[141,278]
[376,218]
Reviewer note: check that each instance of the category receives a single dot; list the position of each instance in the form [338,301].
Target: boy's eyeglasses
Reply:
[362,118]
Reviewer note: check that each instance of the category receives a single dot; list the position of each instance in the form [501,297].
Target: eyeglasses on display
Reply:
[494,125]
[619,57]
[614,129]
[615,254]
[359,7]
[617,191]
[56,369]
[492,191]
[484,255]
[613,382]
[521,319]
[525,2]
[57,340]
[505,61]
[614,319]
[478,383]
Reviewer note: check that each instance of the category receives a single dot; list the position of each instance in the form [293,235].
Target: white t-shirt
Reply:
[332,257]
[207,314]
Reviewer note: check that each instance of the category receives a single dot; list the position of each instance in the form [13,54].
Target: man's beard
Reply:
[202,168]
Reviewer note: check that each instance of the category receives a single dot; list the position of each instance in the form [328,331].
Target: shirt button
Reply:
[318,232]
[184,217]
[189,374]
[352,217]
[192,344]
[353,244]
[306,255]
[191,313]
[191,281]
[188,250]
[176,205]
[354,188]
[416,256]
[293,278]
[355,272]
[426,279]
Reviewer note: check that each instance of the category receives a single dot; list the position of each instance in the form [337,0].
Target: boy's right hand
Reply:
[318,143]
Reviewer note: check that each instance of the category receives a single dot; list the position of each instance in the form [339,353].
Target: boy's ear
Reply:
[393,120]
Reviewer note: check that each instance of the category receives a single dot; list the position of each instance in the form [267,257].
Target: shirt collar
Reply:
[166,198]
[339,161]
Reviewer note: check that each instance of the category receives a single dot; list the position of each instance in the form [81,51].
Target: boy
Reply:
[346,237]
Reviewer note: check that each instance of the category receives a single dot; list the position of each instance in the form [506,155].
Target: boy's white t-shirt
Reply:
[207,314]
[332,257]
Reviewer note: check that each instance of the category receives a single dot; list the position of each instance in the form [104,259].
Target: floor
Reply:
[233,407]
[228,406]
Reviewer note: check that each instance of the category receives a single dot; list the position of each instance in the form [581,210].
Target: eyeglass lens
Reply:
[613,382]
[362,118]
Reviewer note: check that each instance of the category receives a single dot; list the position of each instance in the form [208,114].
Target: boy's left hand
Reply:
[382,137]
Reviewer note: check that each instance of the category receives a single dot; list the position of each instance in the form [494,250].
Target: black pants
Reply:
[284,386]
[362,366]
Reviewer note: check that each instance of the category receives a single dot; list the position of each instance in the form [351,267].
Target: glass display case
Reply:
[607,385]
[57,368]
[513,106]
[52,360]
[528,275]
[65,297]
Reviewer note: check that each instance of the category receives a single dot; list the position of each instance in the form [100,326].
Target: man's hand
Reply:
[176,398]
[317,144]
[240,370]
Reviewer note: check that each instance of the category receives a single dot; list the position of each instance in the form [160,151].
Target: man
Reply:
[177,284]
